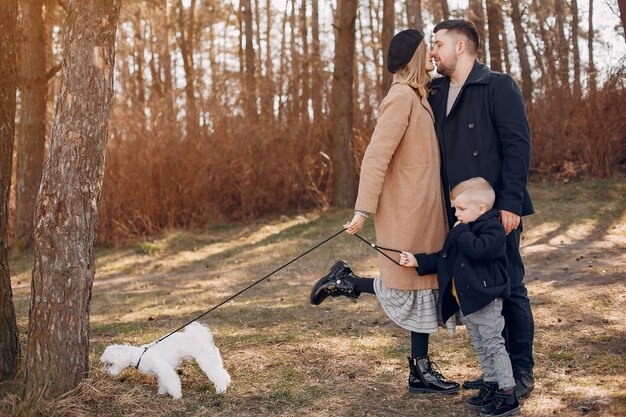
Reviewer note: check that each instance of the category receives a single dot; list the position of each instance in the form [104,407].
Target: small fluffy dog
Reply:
[162,359]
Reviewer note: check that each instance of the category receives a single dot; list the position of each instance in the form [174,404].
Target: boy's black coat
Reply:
[474,254]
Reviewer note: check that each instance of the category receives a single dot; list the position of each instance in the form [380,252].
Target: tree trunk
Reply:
[414,14]
[316,92]
[9,347]
[561,44]
[445,10]
[476,14]
[575,49]
[67,204]
[268,90]
[592,68]
[520,43]
[305,74]
[388,26]
[344,175]
[32,132]
[186,50]
[622,14]
[250,75]
[494,18]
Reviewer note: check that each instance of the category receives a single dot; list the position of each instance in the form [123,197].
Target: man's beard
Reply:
[446,70]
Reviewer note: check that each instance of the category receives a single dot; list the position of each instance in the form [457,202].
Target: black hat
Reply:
[402,48]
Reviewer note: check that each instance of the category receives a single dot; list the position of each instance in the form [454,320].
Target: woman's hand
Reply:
[407,259]
[356,224]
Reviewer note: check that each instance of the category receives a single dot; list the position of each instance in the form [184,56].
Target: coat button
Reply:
[475,153]
[462,265]
[471,125]
[444,255]
[467,287]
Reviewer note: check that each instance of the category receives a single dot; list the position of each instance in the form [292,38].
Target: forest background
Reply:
[224,110]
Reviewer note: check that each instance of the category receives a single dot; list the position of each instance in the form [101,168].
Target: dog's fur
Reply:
[161,360]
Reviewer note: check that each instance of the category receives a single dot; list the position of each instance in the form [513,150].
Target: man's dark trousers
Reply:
[520,328]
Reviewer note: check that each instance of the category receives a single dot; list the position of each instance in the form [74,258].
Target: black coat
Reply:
[486,134]
[474,254]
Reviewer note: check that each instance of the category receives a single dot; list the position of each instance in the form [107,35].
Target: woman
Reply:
[401,187]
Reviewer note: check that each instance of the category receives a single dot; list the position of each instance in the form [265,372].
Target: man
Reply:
[483,132]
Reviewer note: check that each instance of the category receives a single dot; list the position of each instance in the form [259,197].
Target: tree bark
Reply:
[520,43]
[344,175]
[316,92]
[494,17]
[575,49]
[414,14]
[186,49]
[592,68]
[445,10]
[388,27]
[32,132]
[67,204]
[250,75]
[476,14]
[561,44]
[9,347]
[622,14]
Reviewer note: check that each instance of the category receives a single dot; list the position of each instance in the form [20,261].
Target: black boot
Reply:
[524,384]
[423,378]
[504,404]
[484,397]
[476,383]
[340,281]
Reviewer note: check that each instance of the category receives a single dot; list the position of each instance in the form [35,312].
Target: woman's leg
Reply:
[422,377]
[364,285]
[419,345]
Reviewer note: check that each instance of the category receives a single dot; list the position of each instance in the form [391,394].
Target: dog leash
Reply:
[380,249]
[238,294]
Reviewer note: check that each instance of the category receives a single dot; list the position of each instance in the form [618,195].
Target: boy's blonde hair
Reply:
[414,73]
[479,190]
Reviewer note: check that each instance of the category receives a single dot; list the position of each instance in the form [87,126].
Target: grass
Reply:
[288,358]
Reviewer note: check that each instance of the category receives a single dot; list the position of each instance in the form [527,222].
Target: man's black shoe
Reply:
[423,378]
[484,397]
[340,281]
[524,384]
[504,404]
[473,383]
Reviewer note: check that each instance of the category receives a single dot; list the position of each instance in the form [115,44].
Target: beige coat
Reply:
[401,184]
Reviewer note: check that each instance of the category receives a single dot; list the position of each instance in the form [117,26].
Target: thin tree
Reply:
[32,132]
[575,49]
[561,44]
[250,74]
[388,26]
[476,14]
[495,28]
[344,175]
[520,43]
[592,68]
[186,42]
[316,93]
[9,347]
[66,213]
[414,14]
[445,10]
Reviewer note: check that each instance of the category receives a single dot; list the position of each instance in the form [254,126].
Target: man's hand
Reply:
[354,225]
[509,220]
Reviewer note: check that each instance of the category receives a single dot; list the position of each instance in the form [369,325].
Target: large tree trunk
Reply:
[344,175]
[476,14]
[32,132]
[9,347]
[67,204]
[575,49]
[496,27]
[414,14]
[388,26]
[520,43]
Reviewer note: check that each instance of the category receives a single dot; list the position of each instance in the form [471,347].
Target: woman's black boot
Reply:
[340,281]
[423,378]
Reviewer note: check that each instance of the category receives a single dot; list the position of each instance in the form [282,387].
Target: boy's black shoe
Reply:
[524,384]
[504,404]
[340,281]
[484,397]
[473,383]
[423,378]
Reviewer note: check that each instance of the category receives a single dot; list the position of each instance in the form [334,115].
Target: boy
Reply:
[472,276]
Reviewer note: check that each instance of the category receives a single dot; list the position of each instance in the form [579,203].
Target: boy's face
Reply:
[467,209]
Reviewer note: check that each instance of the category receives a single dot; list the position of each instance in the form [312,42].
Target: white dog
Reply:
[162,359]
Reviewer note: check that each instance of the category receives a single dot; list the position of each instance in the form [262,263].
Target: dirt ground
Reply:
[288,358]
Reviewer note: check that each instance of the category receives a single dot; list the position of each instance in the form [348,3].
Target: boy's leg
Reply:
[489,386]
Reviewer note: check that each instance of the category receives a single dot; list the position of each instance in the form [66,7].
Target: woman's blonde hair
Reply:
[414,73]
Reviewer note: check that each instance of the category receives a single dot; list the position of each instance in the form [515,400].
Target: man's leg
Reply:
[519,324]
